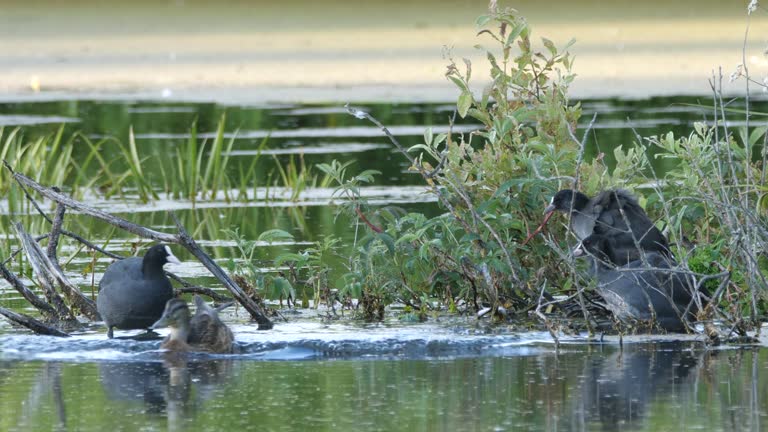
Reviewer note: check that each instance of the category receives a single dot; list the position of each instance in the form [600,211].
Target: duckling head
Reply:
[176,316]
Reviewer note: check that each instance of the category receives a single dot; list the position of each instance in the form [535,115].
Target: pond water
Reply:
[314,373]
[380,378]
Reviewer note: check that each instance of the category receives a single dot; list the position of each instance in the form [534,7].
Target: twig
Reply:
[366,221]
[577,176]
[31,323]
[47,310]
[213,295]
[26,192]
[99,214]
[254,309]
[544,318]
[188,288]
[46,280]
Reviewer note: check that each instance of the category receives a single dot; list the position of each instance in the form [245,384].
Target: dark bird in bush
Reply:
[202,332]
[644,289]
[614,213]
[134,291]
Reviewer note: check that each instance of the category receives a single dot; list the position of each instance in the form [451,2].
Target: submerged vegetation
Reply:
[478,254]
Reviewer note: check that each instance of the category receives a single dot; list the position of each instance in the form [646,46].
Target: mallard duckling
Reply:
[202,332]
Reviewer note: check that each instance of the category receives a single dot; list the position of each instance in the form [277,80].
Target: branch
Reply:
[44,277]
[27,321]
[98,214]
[189,243]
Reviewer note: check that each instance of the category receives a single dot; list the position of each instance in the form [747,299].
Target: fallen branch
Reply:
[189,243]
[182,238]
[31,323]
[49,272]
[44,277]
[45,309]
[119,222]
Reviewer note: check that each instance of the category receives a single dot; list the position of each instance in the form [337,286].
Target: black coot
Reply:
[133,292]
[602,215]
[640,289]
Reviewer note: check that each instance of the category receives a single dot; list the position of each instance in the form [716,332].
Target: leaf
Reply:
[388,241]
[439,139]
[549,45]
[465,102]
[428,136]
[519,28]
[756,134]
[289,257]
[468,64]
[482,20]
[459,83]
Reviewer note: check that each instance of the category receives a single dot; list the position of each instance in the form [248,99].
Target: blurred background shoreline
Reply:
[336,51]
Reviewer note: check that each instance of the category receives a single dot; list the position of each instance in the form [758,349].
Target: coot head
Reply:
[566,200]
[159,255]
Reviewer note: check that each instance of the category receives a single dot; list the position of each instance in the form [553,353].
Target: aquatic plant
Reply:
[493,183]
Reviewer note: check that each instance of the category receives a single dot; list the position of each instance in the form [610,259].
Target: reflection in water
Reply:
[618,389]
[644,386]
[165,387]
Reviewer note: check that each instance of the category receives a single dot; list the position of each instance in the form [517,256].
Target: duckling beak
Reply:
[578,250]
[549,209]
[162,322]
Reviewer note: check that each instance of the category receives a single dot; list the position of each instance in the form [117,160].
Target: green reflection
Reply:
[643,387]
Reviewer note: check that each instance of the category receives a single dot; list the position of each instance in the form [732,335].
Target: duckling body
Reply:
[202,332]
[134,291]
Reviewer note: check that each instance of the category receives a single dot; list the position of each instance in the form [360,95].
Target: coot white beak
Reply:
[171,258]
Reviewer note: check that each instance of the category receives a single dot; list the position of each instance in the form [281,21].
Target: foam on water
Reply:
[297,340]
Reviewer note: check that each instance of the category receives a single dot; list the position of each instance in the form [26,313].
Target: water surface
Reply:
[319,373]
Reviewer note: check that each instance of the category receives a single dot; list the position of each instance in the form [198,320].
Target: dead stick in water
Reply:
[189,243]
[47,310]
[31,323]
[44,278]
[183,238]
[119,222]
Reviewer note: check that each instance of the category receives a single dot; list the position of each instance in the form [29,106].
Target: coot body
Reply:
[133,292]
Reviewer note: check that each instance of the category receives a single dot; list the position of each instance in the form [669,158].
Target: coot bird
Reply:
[614,213]
[637,292]
[133,291]
[202,332]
